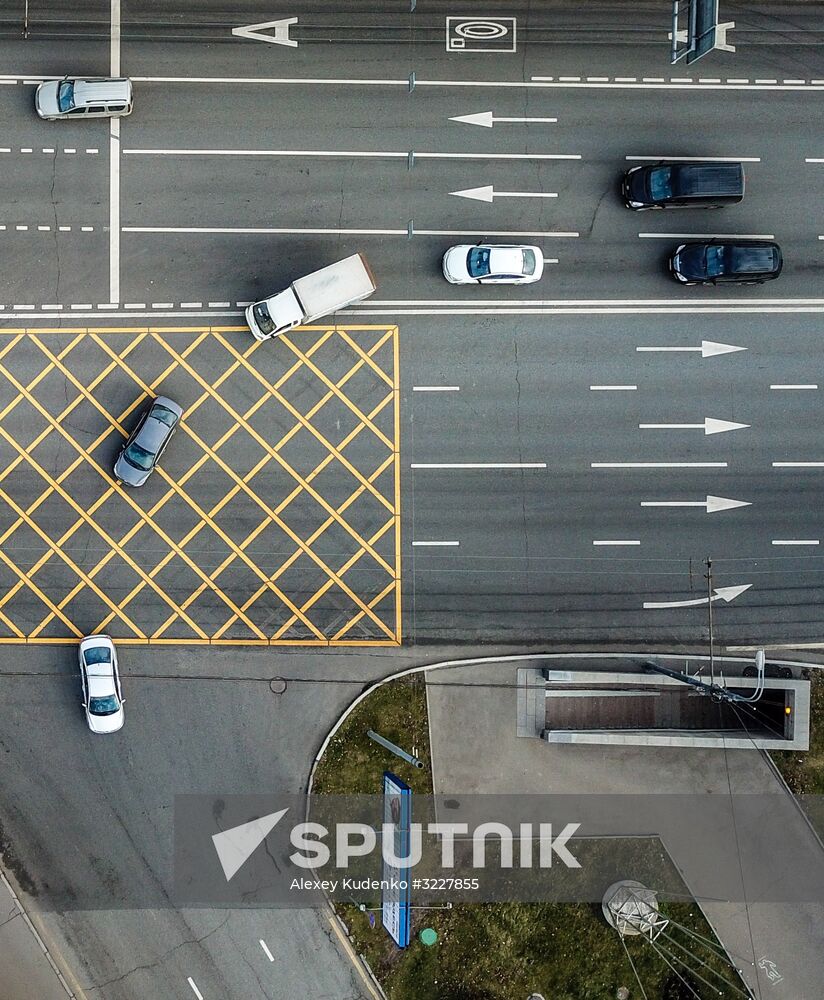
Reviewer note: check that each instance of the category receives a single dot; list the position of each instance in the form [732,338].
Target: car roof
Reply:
[704,179]
[155,431]
[506,260]
[90,91]
[752,259]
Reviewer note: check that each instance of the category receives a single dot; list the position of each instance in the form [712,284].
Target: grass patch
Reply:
[354,764]
[804,770]
[506,951]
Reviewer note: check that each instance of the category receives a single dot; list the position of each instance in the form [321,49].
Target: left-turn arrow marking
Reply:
[259,32]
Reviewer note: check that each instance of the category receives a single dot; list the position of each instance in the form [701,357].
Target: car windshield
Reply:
[65,96]
[138,457]
[97,654]
[166,416]
[262,318]
[477,262]
[714,257]
[104,706]
[529,262]
[660,183]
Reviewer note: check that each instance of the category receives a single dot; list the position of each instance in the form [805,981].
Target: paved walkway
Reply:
[475,749]
[26,973]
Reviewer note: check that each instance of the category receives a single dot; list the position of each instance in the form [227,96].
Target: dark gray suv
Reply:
[147,442]
[683,185]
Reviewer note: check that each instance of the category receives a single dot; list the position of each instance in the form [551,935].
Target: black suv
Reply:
[683,185]
[747,262]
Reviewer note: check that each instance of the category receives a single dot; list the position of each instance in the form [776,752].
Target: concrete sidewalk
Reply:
[476,750]
[25,971]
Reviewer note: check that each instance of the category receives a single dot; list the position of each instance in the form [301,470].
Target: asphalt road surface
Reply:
[528,465]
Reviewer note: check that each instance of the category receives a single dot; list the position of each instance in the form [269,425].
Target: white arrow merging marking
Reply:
[709,426]
[710,505]
[488,193]
[487,119]
[708,349]
[256,32]
[719,594]
[235,846]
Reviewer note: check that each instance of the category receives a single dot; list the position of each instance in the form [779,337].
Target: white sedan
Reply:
[102,697]
[493,264]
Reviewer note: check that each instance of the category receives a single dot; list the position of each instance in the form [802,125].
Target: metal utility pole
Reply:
[709,612]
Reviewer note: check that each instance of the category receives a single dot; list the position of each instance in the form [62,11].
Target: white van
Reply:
[93,97]
[318,294]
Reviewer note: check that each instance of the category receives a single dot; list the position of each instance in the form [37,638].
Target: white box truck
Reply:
[318,294]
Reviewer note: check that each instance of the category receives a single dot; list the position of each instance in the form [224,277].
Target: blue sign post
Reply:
[395,909]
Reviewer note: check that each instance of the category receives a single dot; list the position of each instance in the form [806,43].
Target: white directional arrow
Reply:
[709,425]
[710,505]
[488,193]
[256,32]
[235,846]
[708,349]
[719,594]
[487,119]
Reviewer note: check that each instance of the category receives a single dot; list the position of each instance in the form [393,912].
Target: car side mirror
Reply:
[83,704]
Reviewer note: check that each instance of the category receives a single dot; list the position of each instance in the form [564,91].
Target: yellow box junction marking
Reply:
[282,529]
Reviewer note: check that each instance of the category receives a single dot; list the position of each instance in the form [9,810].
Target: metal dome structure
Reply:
[631,909]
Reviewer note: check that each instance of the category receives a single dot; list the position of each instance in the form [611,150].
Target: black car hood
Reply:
[693,261]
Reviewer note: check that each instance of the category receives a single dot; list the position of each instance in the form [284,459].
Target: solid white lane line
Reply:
[798,465]
[536,82]
[437,544]
[795,541]
[810,159]
[707,236]
[114,209]
[616,541]
[699,159]
[658,465]
[114,164]
[436,388]
[613,388]
[352,154]
[345,232]
[790,386]
[478,465]
[268,953]
[195,990]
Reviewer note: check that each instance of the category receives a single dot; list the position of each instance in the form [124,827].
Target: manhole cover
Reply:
[277,685]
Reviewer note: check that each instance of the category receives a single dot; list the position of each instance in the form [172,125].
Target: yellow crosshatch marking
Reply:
[273,519]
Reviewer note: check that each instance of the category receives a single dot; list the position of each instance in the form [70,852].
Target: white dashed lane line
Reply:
[49,150]
[24,228]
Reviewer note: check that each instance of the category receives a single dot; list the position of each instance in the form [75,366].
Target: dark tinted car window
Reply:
[139,457]
[166,416]
[660,185]
[478,263]
[262,318]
